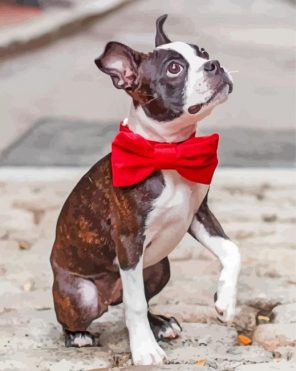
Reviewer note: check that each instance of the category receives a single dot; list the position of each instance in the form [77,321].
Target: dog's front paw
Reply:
[79,339]
[148,353]
[225,303]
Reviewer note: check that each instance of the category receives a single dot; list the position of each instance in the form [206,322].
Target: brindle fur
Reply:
[99,223]
[100,226]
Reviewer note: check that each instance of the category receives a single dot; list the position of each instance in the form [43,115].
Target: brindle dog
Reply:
[112,242]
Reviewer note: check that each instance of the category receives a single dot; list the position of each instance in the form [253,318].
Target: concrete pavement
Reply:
[256,209]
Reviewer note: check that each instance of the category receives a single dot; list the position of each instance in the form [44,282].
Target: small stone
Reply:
[24,245]
[263,318]
[29,285]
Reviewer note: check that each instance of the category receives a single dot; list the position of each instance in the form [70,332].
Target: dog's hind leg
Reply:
[155,278]
[77,303]
[208,231]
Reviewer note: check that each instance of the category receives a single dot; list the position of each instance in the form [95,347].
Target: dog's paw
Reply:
[164,328]
[171,329]
[225,305]
[79,339]
[148,352]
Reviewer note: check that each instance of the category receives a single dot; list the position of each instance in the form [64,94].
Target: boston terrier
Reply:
[113,238]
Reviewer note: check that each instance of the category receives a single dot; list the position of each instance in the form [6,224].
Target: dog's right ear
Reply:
[160,37]
[121,63]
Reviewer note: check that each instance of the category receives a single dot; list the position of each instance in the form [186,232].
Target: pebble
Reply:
[29,285]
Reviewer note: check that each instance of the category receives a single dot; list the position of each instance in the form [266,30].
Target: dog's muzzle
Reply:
[213,68]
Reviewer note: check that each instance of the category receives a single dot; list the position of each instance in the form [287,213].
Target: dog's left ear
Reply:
[121,63]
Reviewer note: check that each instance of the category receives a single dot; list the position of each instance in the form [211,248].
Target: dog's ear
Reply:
[160,37]
[121,63]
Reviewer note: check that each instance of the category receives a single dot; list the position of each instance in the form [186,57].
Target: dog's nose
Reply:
[212,67]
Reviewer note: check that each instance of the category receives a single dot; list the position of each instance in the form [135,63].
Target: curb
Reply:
[49,25]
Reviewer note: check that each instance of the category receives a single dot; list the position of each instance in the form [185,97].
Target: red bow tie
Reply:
[134,158]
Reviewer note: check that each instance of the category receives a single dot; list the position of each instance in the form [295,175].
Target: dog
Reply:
[112,242]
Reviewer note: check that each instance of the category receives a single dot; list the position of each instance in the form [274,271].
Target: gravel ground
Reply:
[257,209]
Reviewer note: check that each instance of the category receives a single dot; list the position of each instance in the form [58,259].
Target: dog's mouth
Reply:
[197,107]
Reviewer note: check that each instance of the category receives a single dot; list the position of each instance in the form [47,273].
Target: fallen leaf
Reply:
[244,340]
[200,362]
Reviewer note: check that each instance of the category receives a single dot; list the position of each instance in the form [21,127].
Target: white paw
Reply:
[225,304]
[148,352]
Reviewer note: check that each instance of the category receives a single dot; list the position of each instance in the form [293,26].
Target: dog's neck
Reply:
[174,131]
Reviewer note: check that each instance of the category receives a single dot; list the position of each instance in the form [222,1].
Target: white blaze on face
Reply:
[197,89]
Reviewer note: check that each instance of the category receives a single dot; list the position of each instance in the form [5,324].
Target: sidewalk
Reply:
[256,208]
[22,26]
[61,80]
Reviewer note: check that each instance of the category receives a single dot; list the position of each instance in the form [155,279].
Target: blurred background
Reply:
[57,108]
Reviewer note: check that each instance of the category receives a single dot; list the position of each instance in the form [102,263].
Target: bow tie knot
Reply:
[165,156]
[134,158]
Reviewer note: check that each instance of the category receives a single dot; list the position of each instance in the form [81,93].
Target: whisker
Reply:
[149,101]
[233,71]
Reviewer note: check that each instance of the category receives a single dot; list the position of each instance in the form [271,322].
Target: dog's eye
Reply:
[174,69]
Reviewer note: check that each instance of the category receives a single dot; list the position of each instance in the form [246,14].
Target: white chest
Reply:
[171,215]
